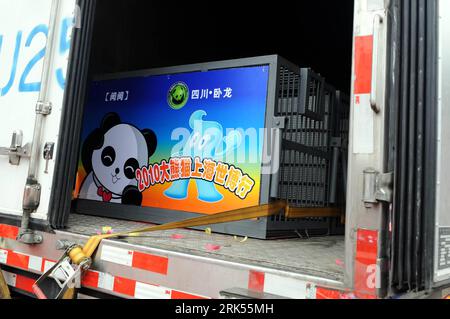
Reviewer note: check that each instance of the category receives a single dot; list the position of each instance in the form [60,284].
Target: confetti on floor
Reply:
[211,247]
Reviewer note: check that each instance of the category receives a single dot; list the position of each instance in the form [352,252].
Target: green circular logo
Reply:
[178,95]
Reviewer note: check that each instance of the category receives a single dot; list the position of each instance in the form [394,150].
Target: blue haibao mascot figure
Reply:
[207,141]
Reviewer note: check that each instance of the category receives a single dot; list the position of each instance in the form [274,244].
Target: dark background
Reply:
[142,34]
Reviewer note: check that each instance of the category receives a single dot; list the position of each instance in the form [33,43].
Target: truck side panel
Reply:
[23,38]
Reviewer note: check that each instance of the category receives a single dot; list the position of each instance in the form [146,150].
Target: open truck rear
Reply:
[392,241]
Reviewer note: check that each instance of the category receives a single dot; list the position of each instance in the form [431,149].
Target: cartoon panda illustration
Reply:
[111,154]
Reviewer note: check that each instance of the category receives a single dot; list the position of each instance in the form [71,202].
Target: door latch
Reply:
[378,187]
[48,154]
[16,151]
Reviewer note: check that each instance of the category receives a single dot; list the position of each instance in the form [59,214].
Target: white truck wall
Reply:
[23,35]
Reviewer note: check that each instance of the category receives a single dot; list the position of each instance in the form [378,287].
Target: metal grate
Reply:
[307,103]
[316,116]
[312,94]
[342,131]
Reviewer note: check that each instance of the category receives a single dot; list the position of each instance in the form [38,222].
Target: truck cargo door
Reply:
[442,225]
[35,41]
[419,149]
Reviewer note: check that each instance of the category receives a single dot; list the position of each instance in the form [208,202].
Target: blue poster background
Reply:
[144,103]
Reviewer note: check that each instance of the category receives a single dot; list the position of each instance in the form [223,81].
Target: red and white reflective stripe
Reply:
[25,262]
[8,232]
[135,259]
[256,281]
[324,293]
[132,288]
[363,125]
[297,289]
[280,286]
[366,268]
[363,64]
[18,281]
[125,257]
[92,279]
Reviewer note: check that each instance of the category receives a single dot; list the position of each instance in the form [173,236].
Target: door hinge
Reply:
[16,151]
[378,187]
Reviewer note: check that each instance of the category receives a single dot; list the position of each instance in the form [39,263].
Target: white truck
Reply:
[397,221]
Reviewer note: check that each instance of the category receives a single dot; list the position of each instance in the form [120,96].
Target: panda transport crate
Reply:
[169,144]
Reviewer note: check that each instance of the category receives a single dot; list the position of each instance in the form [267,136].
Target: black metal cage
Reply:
[313,155]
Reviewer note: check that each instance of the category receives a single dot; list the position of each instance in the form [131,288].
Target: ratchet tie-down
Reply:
[77,259]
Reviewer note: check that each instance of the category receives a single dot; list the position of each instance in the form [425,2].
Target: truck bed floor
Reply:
[321,257]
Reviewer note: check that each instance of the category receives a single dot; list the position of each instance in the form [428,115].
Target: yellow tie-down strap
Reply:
[79,254]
